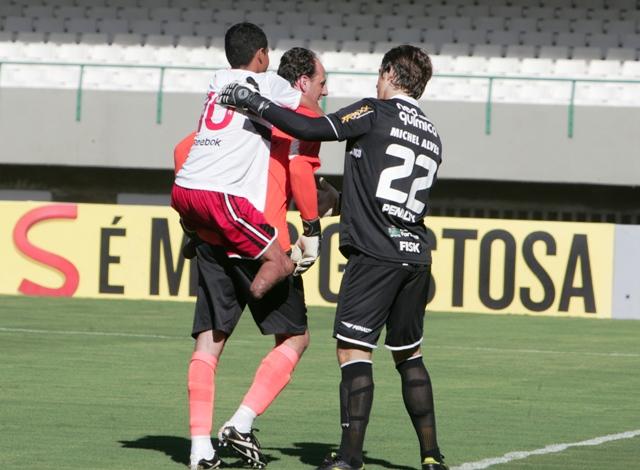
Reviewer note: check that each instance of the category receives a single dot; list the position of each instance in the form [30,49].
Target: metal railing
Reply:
[489,78]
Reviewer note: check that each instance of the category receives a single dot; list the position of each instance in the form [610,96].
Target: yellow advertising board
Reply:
[479,265]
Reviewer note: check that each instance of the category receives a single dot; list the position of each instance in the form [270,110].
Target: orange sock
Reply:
[271,377]
[201,386]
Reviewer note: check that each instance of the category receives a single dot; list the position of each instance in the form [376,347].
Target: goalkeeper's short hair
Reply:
[297,62]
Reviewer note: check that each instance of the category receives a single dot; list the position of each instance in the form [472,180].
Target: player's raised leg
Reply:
[276,266]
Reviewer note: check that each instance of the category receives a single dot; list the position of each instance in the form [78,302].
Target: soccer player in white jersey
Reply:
[222,185]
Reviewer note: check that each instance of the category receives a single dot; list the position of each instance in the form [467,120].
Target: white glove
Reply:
[328,198]
[306,250]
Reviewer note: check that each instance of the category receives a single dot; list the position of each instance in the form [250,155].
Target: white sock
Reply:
[201,448]
[243,419]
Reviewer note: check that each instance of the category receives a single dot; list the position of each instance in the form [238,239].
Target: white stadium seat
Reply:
[292,17]
[456,22]
[383,8]
[604,40]
[337,61]
[113,26]
[38,11]
[569,13]
[229,16]
[442,63]
[63,38]
[368,62]
[604,68]
[470,65]
[487,50]
[341,33]
[393,21]
[537,38]
[504,38]
[571,39]
[158,41]
[134,13]
[586,53]
[30,36]
[326,19]
[367,20]
[409,36]
[455,49]
[621,53]
[607,15]
[503,66]
[146,27]
[70,12]
[74,53]
[320,46]
[536,67]
[104,54]
[553,52]
[102,13]
[539,12]
[93,38]
[275,32]
[124,39]
[16,24]
[38,76]
[474,11]
[554,25]
[520,25]
[438,37]
[570,68]
[356,47]
[520,51]
[49,25]
[10,10]
[210,30]
[81,25]
[191,42]
[587,26]
[373,34]
[165,14]
[303,31]
[198,15]
[621,27]
[178,28]
[471,36]
[261,17]
[488,23]
[194,81]
[382,47]
[631,69]
[514,11]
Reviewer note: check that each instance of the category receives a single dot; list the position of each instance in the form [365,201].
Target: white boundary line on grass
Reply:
[86,333]
[539,351]
[550,449]
[462,348]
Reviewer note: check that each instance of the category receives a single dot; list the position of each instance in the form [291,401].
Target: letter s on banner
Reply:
[20,231]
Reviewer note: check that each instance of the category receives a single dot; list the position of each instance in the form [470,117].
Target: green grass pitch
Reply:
[97,384]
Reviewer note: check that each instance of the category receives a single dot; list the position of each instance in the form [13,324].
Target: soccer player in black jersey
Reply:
[392,156]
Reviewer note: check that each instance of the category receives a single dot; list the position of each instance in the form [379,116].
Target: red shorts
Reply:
[242,228]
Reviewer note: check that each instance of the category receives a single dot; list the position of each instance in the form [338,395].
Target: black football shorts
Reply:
[376,293]
[223,293]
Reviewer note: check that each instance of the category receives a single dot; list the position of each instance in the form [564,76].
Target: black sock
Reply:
[356,397]
[418,400]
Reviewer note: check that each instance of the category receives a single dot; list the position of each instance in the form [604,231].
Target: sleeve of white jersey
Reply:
[282,93]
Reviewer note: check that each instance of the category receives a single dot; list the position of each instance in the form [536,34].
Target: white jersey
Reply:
[230,153]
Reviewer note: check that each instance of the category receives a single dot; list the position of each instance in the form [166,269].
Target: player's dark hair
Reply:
[297,62]
[242,41]
[411,66]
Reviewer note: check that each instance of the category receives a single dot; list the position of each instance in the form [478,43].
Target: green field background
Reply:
[79,389]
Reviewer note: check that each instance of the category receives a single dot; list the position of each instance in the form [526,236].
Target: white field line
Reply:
[461,348]
[550,449]
[538,351]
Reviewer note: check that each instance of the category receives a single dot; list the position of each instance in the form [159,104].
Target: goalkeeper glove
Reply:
[306,250]
[329,198]
[245,96]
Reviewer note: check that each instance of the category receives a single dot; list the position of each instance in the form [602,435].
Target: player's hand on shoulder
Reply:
[245,95]
[306,250]
[328,198]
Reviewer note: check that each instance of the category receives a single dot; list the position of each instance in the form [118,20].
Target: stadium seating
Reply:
[468,37]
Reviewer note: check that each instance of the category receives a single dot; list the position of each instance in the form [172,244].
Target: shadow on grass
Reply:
[177,449]
[312,454]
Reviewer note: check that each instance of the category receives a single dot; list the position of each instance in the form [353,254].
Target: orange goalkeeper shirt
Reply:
[291,168]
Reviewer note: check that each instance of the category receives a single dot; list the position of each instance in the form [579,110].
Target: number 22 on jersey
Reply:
[388,175]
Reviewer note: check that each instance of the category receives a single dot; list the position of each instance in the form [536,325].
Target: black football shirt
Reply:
[392,156]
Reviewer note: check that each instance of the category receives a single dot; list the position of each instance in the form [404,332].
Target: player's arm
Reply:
[347,123]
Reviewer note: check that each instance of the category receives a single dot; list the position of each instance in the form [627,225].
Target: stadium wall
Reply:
[527,143]
[479,265]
